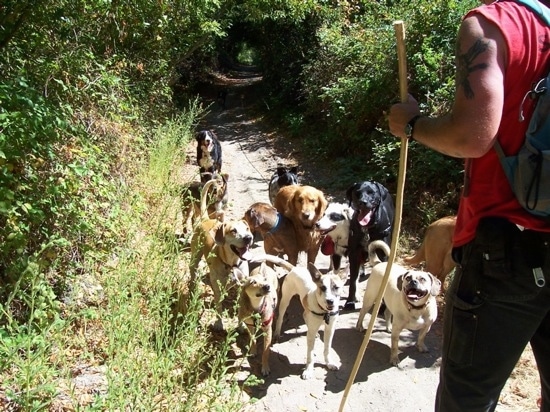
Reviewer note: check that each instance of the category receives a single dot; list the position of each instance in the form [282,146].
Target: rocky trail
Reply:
[251,152]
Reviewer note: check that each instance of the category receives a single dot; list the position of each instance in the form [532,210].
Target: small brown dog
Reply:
[304,206]
[257,305]
[436,248]
[276,230]
[225,245]
[216,202]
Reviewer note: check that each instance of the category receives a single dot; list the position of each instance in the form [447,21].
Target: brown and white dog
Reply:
[436,248]
[304,206]
[276,230]
[320,298]
[409,299]
[225,246]
[216,201]
[257,304]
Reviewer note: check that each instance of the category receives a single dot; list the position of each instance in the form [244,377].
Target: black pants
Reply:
[494,309]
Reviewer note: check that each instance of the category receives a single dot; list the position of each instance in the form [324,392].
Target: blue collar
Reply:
[276,227]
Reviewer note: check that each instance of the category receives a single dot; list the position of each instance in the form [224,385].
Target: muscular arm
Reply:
[469,129]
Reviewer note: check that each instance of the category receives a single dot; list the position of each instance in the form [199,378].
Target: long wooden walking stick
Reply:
[403,93]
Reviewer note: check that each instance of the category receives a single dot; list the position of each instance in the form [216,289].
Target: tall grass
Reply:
[155,363]
[144,350]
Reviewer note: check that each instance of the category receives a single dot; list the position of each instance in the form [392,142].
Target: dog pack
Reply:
[529,171]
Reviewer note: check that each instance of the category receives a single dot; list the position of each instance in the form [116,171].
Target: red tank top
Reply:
[486,190]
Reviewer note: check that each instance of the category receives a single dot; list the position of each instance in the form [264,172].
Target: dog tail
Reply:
[204,198]
[417,258]
[273,259]
[373,246]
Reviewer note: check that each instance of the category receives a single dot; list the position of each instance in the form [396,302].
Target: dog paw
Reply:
[333,366]
[394,360]
[422,348]
[265,370]
[307,373]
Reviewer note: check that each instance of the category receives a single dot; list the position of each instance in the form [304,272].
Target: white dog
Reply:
[409,298]
[335,225]
[320,298]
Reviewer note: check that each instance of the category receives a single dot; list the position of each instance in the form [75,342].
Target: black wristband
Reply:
[409,128]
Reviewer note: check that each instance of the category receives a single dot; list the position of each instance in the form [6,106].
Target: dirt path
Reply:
[250,154]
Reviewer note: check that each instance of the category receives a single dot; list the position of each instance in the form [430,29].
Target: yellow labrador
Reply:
[225,246]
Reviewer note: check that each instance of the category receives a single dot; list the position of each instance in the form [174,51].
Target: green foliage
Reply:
[89,147]
[167,356]
[247,55]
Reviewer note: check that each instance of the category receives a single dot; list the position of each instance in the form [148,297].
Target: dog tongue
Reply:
[327,247]
[365,219]
[413,295]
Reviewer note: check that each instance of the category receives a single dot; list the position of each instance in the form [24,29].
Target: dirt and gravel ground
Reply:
[251,152]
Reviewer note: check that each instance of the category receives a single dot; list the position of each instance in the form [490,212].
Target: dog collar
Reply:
[276,227]
[266,322]
[325,315]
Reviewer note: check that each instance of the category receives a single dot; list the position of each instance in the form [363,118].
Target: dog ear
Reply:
[238,276]
[290,205]
[218,233]
[225,177]
[281,170]
[314,272]
[382,190]
[253,218]
[400,280]
[294,170]
[349,192]
[436,285]
[322,205]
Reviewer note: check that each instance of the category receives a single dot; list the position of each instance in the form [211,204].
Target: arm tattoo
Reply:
[465,66]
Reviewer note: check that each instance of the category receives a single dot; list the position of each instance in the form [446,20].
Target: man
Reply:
[494,305]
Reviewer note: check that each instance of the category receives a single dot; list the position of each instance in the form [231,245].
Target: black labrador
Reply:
[373,217]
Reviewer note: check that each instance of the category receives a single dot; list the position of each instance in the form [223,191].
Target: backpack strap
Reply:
[538,8]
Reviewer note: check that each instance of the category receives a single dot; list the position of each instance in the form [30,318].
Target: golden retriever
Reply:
[304,206]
